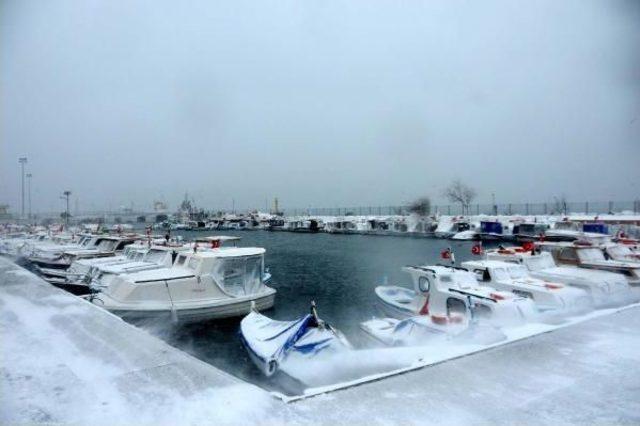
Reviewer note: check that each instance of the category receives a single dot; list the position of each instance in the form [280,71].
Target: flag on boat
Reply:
[528,246]
[477,249]
[448,254]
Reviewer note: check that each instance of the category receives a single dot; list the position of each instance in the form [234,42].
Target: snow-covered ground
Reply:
[66,361]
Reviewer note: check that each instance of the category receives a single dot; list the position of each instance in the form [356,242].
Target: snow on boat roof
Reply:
[438,269]
[160,274]
[488,264]
[230,252]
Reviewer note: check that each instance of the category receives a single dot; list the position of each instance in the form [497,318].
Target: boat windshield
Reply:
[590,255]
[107,245]
[239,275]
[517,272]
[154,256]
[499,274]
[537,263]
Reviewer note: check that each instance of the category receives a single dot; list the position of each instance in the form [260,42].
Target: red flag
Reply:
[528,246]
[476,249]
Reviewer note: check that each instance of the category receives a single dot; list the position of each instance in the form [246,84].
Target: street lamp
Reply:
[66,214]
[29,176]
[22,161]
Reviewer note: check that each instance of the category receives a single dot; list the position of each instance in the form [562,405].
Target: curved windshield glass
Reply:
[107,245]
[239,275]
[590,255]
[154,256]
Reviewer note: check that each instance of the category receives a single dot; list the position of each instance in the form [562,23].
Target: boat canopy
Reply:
[491,227]
[598,228]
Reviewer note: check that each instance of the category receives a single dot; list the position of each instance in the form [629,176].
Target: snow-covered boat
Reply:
[427,329]
[272,343]
[202,285]
[515,278]
[605,288]
[621,252]
[590,256]
[468,235]
[448,290]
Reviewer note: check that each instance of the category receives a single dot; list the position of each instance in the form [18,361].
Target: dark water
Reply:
[339,272]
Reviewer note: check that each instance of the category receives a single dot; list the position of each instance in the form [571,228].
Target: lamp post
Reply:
[493,201]
[22,161]
[66,214]
[29,176]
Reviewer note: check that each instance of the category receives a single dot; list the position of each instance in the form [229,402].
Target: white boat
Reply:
[590,256]
[621,252]
[451,225]
[604,288]
[211,284]
[272,343]
[99,246]
[468,235]
[428,329]
[446,291]
[548,296]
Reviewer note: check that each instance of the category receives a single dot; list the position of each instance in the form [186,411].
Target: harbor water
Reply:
[338,272]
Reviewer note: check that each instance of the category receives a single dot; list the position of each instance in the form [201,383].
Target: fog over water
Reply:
[319,103]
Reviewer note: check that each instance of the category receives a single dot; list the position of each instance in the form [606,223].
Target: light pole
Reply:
[66,214]
[29,176]
[495,206]
[22,161]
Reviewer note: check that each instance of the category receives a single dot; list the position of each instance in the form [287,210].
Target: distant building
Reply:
[4,212]
[159,206]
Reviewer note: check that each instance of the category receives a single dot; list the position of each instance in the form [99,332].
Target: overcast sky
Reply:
[321,103]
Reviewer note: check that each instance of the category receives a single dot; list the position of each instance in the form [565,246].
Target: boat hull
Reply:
[189,315]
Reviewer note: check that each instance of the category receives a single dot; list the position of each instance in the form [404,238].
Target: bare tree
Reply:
[458,192]
[421,206]
[560,204]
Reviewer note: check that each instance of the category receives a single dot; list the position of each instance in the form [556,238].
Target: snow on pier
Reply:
[64,360]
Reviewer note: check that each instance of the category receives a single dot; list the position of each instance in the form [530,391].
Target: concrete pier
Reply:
[63,360]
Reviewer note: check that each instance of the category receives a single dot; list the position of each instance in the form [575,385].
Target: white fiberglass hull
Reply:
[190,312]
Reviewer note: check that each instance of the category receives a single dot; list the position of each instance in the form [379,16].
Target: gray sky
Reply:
[321,103]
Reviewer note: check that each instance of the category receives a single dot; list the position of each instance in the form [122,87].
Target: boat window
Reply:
[240,275]
[193,263]
[181,260]
[456,306]
[122,244]
[154,256]
[482,311]
[482,275]
[568,254]
[591,254]
[423,284]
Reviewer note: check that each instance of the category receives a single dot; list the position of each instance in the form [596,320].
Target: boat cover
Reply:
[272,341]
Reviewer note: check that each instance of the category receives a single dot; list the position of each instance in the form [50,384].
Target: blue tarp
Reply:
[491,227]
[598,228]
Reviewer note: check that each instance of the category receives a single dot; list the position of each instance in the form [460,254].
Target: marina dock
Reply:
[64,360]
